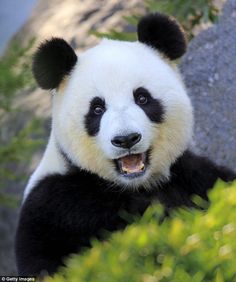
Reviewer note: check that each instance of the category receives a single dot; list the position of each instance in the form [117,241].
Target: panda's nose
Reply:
[126,141]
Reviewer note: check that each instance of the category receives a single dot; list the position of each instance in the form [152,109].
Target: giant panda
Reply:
[122,127]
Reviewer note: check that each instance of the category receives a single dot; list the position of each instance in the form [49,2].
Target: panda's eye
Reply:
[141,96]
[141,100]
[98,110]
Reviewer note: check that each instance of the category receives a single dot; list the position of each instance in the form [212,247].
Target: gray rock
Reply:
[8,219]
[209,70]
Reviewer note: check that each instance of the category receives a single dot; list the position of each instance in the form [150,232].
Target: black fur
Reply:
[92,120]
[53,60]
[153,108]
[63,212]
[163,33]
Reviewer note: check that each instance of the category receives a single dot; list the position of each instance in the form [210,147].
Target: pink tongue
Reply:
[132,163]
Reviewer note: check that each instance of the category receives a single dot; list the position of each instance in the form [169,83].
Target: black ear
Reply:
[163,33]
[52,61]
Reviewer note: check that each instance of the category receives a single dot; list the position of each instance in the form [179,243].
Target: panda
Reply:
[122,126]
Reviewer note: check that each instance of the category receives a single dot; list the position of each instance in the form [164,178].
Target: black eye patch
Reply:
[153,108]
[94,115]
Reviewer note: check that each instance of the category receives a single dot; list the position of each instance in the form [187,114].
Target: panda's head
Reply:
[120,109]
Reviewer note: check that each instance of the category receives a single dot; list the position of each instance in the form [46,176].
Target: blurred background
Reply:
[208,68]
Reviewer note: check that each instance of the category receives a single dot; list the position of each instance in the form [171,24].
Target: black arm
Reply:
[192,175]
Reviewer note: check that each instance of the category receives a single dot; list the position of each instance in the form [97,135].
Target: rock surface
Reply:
[209,69]
[74,20]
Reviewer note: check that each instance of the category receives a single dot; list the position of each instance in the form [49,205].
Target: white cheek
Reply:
[123,122]
[174,134]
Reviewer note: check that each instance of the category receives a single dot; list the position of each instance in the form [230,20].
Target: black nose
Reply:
[126,141]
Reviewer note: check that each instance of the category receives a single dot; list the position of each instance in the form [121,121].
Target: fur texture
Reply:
[165,126]
[164,34]
[53,60]
[153,108]
[165,123]
[63,212]
[93,119]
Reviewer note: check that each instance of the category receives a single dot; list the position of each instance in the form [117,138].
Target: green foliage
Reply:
[113,34]
[120,35]
[192,246]
[190,13]
[15,75]
[18,149]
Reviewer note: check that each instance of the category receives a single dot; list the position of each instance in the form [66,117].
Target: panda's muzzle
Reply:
[132,165]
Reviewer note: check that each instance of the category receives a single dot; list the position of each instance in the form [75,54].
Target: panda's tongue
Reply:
[132,163]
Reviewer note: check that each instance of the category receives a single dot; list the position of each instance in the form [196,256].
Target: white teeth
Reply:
[142,166]
[126,167]
[137,169]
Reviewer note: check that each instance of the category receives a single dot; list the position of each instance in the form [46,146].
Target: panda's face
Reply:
[123,113]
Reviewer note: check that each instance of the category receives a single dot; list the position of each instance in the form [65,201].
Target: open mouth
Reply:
[132,165]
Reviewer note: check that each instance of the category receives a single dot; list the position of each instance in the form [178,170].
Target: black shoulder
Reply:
[77,193]
[65,194]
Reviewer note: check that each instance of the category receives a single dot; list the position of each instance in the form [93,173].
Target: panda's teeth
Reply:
[138,168]
[142,166]
[132,164]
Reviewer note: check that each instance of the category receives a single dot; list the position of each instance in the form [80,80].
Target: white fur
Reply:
[113,70]
[52,162]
